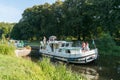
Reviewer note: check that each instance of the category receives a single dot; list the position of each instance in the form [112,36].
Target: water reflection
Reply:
[88,72]
[105,68]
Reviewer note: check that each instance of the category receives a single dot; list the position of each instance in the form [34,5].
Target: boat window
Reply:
[67,51]
[63,45]
[60,50]
[67,44]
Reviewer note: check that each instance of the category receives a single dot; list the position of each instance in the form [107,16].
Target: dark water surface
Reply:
[104,68]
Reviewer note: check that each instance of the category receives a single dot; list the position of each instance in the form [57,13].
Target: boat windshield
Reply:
[76,44]
[67,44]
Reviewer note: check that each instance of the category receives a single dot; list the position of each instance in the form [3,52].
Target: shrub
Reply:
[106,45]
[6,49]
[106,42]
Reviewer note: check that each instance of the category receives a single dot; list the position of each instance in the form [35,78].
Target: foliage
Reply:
[34,43]
[5,29]
[106,45]
[107,41]
[82,19]
[27,47]
[6,48]
[13,68]
[58,72]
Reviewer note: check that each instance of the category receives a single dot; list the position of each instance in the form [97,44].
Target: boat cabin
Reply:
[70,50]
[59,44]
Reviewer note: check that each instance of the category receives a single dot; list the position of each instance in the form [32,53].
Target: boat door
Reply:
[54,47]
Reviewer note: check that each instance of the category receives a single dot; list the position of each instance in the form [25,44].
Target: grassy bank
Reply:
[7,49]
[58,72]
[13,68]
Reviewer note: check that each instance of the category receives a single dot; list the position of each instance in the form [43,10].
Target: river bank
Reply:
[14,68]
[106,67]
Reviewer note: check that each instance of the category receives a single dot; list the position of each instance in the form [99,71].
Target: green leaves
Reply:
[5,29]
[77,18]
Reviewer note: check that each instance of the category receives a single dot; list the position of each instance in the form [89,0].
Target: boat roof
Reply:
[59,42]
[71,48]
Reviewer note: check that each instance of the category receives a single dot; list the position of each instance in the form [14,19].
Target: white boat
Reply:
[22,52]
[63,50]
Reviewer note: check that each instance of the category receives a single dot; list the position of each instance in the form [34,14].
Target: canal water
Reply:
[104,68]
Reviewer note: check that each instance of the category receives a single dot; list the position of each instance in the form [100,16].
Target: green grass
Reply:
[7,49]
[13,68]
[58,72]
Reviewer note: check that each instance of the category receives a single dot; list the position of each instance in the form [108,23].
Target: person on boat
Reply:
[44,40]
[87,46]
[83,46]
[43,43]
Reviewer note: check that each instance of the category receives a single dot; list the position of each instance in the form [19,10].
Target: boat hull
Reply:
[22,52]
[76,59]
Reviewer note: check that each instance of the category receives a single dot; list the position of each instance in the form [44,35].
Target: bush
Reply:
[6,49]
[105,42]
[106,45]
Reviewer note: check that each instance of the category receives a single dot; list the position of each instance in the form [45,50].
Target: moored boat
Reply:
[63,50]
[22,52]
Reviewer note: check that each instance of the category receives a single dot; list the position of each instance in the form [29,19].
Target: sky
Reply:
[11,10]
